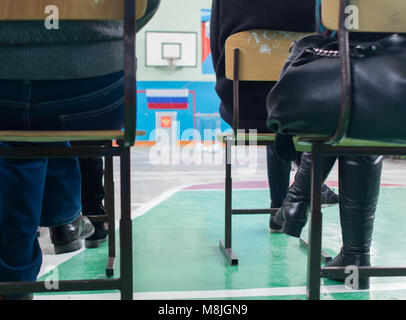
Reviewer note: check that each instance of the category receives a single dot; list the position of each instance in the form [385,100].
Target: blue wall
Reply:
[206,101]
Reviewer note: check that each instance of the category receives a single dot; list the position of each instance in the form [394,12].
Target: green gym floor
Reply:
[176,252]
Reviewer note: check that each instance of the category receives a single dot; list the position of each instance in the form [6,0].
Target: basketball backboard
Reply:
[166,48]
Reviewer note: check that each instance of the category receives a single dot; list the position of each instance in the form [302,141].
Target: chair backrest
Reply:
[127,10]
[374,15]
[262,56]
[68,9]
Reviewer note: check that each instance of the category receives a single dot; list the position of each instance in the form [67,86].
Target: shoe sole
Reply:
[90,244]
[292,229]
[73,245]
[276,222]
[68,247]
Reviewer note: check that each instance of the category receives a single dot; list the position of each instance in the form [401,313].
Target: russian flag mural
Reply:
[167,99]
[207,64]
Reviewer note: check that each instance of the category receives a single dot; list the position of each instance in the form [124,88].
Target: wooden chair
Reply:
[374,16]
[129,11]
[253,55]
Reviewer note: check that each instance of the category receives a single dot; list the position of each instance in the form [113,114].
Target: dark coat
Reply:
[232,16]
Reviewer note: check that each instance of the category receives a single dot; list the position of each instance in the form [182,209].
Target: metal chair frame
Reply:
[331,146]
[234,140]
[125,140]
[249,70]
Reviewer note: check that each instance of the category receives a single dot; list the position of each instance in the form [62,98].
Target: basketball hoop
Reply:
[172,62]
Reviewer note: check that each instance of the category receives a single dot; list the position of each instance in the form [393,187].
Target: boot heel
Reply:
[292,229]
[90,244]
[68,247]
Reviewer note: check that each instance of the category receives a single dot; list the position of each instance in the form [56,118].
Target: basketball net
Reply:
[172,62]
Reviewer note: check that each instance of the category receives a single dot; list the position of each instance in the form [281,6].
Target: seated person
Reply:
[92,194]
[232,16]
[65,79]
[359,183]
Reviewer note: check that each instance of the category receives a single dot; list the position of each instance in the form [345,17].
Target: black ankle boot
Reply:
[359,191]
[293,215]
[100,232]
[296,212]
[355,259]
[99,236]
[328,196]
[68,237]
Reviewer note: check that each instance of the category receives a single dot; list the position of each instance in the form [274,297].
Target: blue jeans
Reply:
[46,191]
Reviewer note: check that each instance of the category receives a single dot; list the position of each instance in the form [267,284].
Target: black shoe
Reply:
[357,260]
[99,235]
[276,222]
[68,238]
[294,215]
[290,218]
[328,196]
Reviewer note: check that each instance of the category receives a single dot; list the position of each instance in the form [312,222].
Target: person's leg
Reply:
[93,194]
[86,104]
[62,205]
[360,179]
[278,177]
[92,172]
[292,216]
[21,193]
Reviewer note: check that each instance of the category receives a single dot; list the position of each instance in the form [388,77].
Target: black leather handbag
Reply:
[307,98]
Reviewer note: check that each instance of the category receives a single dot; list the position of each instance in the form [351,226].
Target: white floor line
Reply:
[219,294]
[50,262]
[154,202]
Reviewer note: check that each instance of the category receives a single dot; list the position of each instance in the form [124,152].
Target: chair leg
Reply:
[315,227]
[126,256]
[228,197]
[226,244]
[110,210]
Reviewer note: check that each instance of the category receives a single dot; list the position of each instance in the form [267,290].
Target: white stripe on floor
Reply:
[50,262]
[219,294]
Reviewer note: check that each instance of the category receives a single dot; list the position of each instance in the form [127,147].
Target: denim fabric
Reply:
[45,191]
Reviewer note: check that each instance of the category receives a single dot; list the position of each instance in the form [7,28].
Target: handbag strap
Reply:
[362,50]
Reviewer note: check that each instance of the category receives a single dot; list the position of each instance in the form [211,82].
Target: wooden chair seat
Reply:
[370,16]
[128,11]
[68,10]
[59,136]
